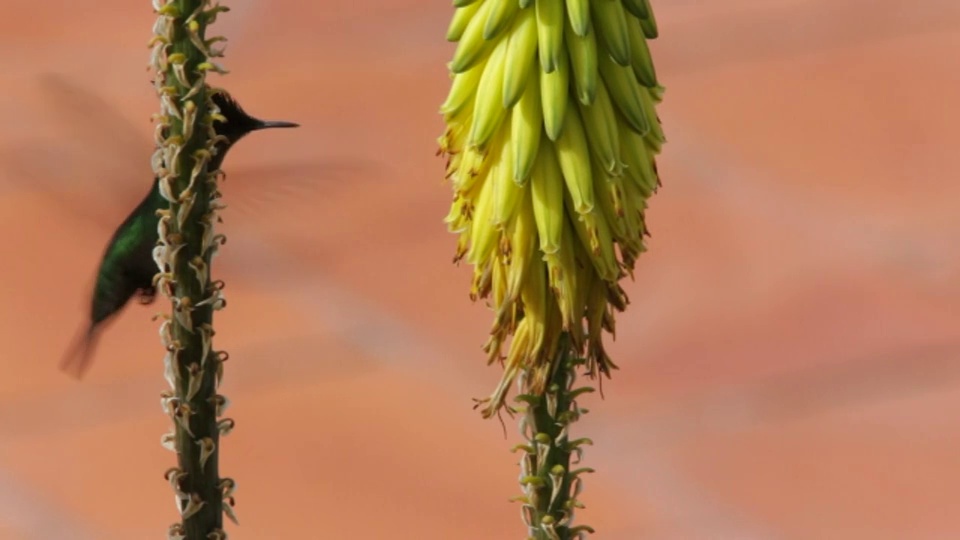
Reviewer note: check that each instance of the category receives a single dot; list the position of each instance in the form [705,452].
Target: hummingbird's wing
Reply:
[98,169]
[85,116]
[43,167]
[77,187]
[102,142]
[254,191]
[96,166]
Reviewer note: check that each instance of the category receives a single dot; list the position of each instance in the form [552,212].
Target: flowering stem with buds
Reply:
[551,140]
[186,168]
[550,487]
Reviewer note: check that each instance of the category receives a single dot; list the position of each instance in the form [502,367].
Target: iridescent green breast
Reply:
[127,265]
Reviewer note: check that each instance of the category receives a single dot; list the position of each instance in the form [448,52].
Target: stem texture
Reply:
[550,486]
[185,164]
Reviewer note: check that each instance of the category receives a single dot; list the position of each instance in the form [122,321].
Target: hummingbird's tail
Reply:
[76,360]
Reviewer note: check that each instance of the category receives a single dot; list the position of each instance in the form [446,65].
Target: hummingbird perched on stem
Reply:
[127,267]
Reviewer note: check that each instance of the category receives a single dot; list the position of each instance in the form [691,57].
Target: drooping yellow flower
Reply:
[551,138]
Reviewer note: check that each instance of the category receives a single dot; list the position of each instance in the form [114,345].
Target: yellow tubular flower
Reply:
[551,139]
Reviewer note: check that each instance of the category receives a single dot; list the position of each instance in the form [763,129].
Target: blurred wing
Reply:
[257,192]
[110,142]
[96,164]
[99,147]
[55,173]
[84,112]
[98,169]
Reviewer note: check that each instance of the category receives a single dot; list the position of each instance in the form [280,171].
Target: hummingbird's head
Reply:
[238,122]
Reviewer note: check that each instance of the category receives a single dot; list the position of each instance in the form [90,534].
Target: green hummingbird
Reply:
[127,267]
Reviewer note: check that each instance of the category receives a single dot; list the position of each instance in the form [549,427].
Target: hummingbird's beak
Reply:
[275,124]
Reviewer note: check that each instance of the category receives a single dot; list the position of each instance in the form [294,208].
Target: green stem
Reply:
[549,485]
[189,187]
[201,479]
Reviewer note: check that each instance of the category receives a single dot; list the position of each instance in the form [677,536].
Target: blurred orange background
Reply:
[789,362]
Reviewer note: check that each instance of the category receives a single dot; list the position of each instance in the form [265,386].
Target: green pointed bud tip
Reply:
[170,10]
[529,399]
[580,442]
[579,391]
[532,480]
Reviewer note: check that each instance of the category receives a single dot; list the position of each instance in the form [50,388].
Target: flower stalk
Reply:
[186,145]
[551,138]
[550,486]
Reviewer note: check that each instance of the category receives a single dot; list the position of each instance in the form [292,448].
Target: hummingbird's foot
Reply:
[147,296]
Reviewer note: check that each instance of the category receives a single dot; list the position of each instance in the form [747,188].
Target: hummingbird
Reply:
[127,267]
